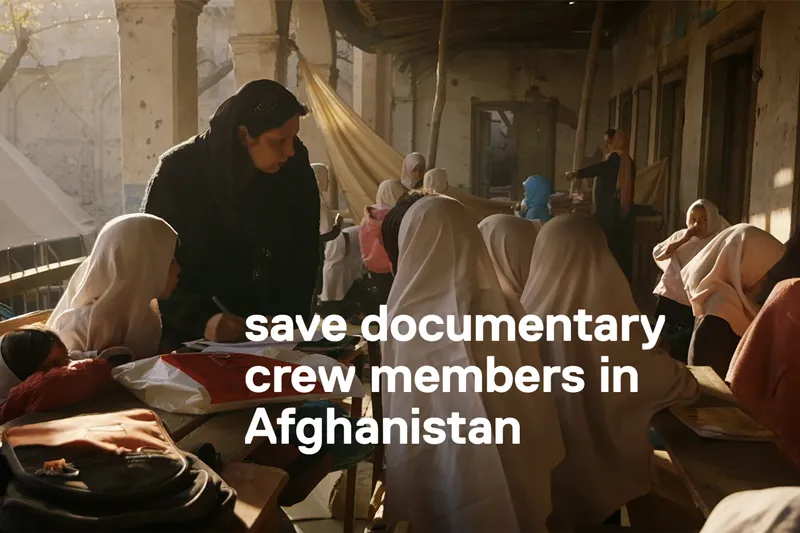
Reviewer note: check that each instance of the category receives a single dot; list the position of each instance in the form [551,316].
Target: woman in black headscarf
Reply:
[243,197]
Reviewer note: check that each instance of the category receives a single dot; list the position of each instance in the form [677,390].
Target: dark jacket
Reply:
[256,248]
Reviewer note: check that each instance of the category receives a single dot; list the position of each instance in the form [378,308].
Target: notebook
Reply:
[722,423]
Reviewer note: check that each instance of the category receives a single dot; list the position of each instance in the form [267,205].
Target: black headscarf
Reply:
[24,350]
[788,267]
[259,106]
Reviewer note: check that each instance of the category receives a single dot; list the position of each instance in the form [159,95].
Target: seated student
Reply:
[606,434]
[703,223]
[413,171]
[537,196]
[772,510]
[723,282]
[330,226]
[378,279]
[36,373]
[436,180]
[442,268]
[390,229]
[788,267]
[343,266]
[510,241]
[110,300]
[389,192]
[371,290]
[764,373]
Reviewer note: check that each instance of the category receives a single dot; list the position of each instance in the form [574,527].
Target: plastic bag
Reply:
[205,383]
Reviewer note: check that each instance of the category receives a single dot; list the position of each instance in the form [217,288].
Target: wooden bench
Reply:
[713,469]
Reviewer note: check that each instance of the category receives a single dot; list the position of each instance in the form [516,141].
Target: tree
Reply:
[18,20]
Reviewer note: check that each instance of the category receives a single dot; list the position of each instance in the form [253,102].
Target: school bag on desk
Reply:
[108,472]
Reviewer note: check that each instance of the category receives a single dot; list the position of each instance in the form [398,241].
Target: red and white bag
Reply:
[205,383]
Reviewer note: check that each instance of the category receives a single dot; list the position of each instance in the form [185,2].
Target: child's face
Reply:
[172,279]
[418,172]
[57,357]
[699,218]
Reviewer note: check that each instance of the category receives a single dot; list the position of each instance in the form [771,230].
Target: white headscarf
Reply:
[343,265]
[411,161]
[444,269]
[609,452]
[510,241]
[326,219]
[772,510]
[389,191]
[721,279]
[436,179]
[108,300]
[671,284]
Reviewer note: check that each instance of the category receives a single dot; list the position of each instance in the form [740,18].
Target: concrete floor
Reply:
[314,514]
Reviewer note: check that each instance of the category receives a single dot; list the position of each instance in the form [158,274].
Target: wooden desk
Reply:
[713,469]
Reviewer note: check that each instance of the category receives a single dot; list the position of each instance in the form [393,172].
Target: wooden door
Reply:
[536,130]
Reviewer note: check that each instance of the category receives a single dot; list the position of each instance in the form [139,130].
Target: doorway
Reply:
[729,125]
[670,140]
[644,98]
[511,141]
[626,111]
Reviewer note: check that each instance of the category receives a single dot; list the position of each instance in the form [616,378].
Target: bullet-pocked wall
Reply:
[512,75]
[647,49]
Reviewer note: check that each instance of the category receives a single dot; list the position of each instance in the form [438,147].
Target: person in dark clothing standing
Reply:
[244,199]
[614,196]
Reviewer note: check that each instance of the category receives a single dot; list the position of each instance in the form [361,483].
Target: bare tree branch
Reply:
[68,22]
[22,47]
[15,57]
[215,77]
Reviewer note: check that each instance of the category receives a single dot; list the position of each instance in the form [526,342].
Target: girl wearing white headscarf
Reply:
[444,269]
[609,452]
[509,240]
[343,265]
[436,180]
[326,218]
[703,223]
[723,282]
[772,510]
[389,191]
[109,300]
[413,170]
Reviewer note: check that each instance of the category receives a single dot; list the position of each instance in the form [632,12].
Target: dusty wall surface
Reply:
[512,75]
[62,108]
[641,54]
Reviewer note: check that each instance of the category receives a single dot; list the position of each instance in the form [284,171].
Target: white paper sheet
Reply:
[252,346]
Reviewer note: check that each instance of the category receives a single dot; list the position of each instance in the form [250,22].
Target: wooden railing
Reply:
[36,317]
[39,287]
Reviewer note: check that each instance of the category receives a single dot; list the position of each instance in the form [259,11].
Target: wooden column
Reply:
[588,83]
[441,85]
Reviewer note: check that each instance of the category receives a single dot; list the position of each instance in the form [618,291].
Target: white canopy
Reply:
[32,207]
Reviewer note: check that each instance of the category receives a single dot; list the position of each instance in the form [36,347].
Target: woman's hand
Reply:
[692,231]
[572,174]
[672,248]
[223,327]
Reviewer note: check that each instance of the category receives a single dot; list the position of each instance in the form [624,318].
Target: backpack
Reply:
[107,472]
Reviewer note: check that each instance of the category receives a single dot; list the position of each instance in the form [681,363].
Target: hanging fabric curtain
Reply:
[360,158]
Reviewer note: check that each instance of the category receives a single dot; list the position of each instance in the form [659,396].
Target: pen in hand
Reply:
[220,306]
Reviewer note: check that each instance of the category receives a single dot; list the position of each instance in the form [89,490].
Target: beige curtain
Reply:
[360,158]
[651,183]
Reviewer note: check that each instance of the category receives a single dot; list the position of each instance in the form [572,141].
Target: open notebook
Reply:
[722,423]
